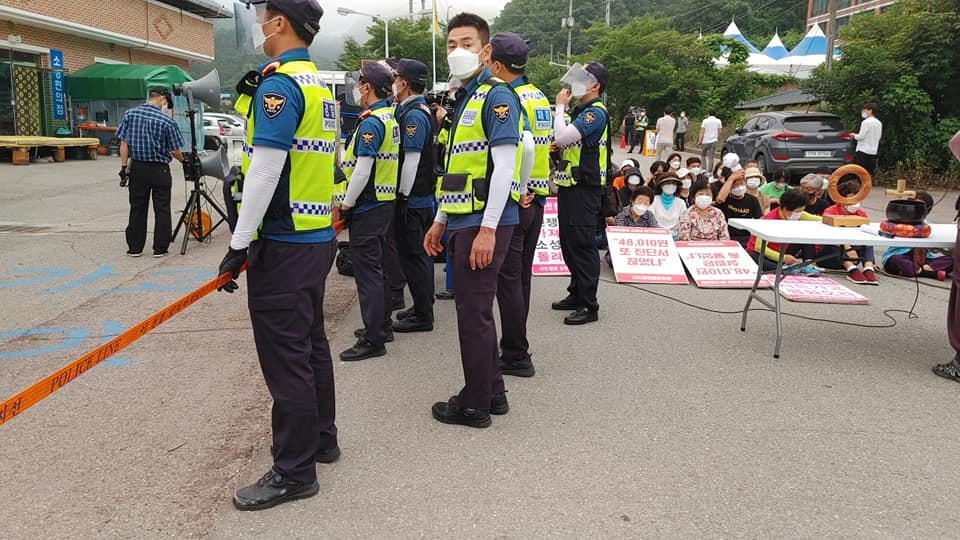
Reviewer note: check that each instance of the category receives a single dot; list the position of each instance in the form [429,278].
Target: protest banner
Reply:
[548,260]
[720,264]
[645,255]
[818,289]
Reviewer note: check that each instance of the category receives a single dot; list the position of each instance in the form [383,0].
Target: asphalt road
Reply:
[662,420]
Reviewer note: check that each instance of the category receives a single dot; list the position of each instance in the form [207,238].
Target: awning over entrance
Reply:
[121,81]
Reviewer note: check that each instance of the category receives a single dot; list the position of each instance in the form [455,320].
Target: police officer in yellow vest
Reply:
[586,144]
[478,214]
[371,165]
[508,58]
[285,221]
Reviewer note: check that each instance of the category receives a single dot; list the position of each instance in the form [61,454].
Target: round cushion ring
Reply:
[860,173]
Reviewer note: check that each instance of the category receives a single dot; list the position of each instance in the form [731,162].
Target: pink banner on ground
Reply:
[548,260]
[818,289]
[642,255]
[722,264]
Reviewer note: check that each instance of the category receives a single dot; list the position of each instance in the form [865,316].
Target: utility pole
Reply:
[569,22]
[607,16]
[831,33]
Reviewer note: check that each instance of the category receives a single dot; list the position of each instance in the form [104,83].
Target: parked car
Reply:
[233,126]
[798,142]
[214,133]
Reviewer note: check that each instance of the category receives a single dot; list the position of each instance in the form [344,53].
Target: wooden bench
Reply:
[21,146]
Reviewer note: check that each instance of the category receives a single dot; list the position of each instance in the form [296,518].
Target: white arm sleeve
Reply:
[526,160]
[411,162]
[440,217]
[358,180]
[564,134]
[258,186]
[504,166]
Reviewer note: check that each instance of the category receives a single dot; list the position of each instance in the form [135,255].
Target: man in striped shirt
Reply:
[149,138]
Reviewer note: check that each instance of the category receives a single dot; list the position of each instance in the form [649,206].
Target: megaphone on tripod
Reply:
[206,89]
[215,163]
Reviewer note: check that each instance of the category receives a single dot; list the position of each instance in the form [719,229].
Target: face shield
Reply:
[351,87]
[579,79]
[249,18]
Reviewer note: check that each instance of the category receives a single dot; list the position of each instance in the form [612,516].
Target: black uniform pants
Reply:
[577,211]
[417,266]
[393,270]
[513,287]
[680,141]
[474,291]
[286,285]
[149,180]
[369,235]
[630,134]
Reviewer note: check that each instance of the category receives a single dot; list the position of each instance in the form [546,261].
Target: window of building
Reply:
[819,7]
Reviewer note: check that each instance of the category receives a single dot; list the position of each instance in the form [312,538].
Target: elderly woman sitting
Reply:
[667,207]
[635,214]
[703,220]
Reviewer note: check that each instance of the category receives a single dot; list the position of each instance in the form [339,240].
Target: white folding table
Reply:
[942,236]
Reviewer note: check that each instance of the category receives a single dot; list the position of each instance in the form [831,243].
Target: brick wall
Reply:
[136,18]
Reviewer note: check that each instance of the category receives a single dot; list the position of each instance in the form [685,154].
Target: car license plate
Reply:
[818,153]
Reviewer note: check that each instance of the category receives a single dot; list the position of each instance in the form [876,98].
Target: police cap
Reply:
[509,49]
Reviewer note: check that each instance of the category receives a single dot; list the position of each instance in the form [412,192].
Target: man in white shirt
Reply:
[665,126]
[868,140]
[709,135]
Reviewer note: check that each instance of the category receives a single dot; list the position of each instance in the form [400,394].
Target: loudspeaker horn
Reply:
[215,163]
[206,89]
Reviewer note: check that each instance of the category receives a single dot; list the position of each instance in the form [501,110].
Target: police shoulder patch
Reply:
[411,131]
[589,117]
[367,137]
[273,103]
[501,111]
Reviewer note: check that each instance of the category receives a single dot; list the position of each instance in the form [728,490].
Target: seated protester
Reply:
[776,187]
[825,173]
[667,207]
[634,181]
[791,208]
[703,220]
[752,164]
[907,262]
[686,181]
[811,185]
[627,164]
[755,179]
[858,261]
[734,201]
[635,214]
[695,166]
[675,161]
[656,169]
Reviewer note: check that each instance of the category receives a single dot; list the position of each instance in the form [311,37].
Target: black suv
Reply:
[798,142]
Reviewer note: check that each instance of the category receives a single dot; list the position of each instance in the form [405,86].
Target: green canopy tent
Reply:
[121,81]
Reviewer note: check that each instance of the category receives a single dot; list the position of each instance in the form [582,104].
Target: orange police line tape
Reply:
[58,379]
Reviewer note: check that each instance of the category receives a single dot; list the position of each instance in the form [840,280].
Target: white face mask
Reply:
[703,201]
[696,171]
[753,183]
[683,115]
[640,209]
[852,208]
[863,114]
[795,216]
[357,95]
[396,93]
[738,191]
[634,180]
[669,189]
[256,30]
[781,185]
[463,63]
[578,90]
[686,183]
[674,165]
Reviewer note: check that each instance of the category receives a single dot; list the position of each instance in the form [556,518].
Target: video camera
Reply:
[440,100]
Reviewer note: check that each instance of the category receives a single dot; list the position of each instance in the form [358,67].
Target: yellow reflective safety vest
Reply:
[303,198]
[385,170]
[465,186]
[537,108]
[586,165]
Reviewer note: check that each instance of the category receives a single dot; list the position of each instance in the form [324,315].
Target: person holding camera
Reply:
[149,139]
[586,156]
[286,222]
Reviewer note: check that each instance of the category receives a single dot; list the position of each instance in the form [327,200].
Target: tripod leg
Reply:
[183,214]
[188,214]
[216,207]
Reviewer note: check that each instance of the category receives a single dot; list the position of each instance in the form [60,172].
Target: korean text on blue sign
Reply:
[57,78]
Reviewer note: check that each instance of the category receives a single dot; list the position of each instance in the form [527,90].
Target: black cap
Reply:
[303,14]
[378,75]
[412,71]
[509,49]
[599,71]
[161,91]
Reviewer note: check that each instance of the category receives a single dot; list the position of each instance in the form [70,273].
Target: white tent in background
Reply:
[775,48]
[807,55]
[733,31]
[754,58]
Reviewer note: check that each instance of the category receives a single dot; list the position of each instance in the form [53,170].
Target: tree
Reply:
[407,40]
[908,61]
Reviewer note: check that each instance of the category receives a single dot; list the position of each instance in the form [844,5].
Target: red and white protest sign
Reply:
[818,289]
[548,260]
[722,264]
[642,255]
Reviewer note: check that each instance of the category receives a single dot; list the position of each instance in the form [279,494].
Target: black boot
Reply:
[363,349]
[450,412]
[569,303]
[518,368]
[413,323]
[582,315]
[272,489]
[387,334]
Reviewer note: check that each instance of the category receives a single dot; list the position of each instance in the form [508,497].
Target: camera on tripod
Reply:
[442,100]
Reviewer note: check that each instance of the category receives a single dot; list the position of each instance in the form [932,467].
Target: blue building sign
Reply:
[59,89]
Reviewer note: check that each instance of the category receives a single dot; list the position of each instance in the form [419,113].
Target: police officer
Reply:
[371,165]
[508,58]
[478,214]
[586,144]
[285,219]
[415,201]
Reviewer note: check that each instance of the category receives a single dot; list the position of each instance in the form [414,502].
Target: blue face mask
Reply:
[667,199]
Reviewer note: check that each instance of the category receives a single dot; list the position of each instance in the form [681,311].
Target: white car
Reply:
[232,126]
